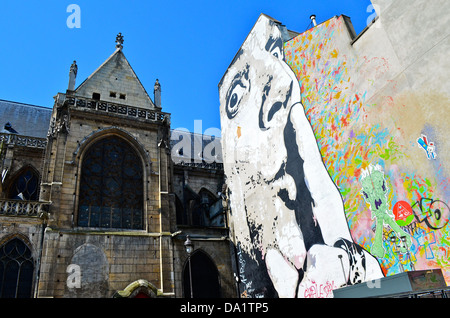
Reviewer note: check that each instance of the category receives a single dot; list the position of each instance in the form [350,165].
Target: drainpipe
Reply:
[44,217]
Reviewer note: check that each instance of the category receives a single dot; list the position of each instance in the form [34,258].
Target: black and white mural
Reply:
[287,215]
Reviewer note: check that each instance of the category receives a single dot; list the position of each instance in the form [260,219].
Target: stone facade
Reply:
[72,259]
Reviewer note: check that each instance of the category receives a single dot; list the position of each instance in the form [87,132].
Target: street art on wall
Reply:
[375,191]
[322,195]
[428,146]
[288,215]
[335,87]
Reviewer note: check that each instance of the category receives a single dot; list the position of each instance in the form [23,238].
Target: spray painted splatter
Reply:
[341,114]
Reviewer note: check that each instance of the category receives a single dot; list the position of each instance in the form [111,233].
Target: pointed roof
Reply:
[116,82]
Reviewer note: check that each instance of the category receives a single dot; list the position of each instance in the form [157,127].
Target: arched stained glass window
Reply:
[25,186]
[16,270]
[111,186]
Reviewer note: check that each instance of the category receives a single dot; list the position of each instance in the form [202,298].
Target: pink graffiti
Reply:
[320,290]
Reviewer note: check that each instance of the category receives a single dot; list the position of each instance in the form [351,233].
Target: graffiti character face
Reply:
[374,190]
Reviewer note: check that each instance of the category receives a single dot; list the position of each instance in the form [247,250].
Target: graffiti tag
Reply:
[320,290]
[403,213]
[434,213]
[428,146]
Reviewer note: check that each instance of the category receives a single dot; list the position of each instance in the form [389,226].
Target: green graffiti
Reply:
[375,190]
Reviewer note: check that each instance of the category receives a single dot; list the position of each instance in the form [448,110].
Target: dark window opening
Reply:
[25,186]
[204,276]
[111,186]
[96,96]
[112,94]
[122,96]
[200,209]
[16,270]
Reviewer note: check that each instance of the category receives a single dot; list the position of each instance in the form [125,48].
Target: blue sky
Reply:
[187,45]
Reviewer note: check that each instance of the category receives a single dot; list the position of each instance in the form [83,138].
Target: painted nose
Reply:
[274,99]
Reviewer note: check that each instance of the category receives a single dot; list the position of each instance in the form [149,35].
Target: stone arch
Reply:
[24,184]
[16,267]
[90,139]
[209,193]
[140,288]
[203,272]
[133,203]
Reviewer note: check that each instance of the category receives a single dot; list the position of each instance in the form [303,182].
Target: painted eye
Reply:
[276,51]
[234,99]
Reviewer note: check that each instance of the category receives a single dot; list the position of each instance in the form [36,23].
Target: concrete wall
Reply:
[322,144]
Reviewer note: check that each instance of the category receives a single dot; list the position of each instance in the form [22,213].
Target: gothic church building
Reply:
[92,203]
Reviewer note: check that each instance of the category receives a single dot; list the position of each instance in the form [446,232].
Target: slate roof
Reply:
[24,119]
[116,75]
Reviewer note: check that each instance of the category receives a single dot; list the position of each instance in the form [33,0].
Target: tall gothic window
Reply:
[111,186]
[25,186]
[16,270]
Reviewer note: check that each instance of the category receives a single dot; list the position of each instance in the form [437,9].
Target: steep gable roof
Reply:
[116,81]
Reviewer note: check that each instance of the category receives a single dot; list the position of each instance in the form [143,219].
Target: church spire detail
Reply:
[119,41]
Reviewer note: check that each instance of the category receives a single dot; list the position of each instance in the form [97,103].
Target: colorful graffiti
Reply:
[375,191]
[335,87]
[359,184]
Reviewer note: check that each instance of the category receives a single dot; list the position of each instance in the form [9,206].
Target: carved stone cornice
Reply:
[127,111]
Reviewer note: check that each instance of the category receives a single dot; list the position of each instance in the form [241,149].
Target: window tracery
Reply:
[111,186]
[16,270]
[25,186]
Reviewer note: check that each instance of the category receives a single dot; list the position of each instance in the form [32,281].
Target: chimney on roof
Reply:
[313,19]
[72,76]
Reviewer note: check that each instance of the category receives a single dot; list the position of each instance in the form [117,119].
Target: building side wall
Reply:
[385,95]
[376,106]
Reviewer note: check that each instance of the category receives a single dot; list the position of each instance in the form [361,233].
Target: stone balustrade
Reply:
[23,208]
[25,141]
[125,110]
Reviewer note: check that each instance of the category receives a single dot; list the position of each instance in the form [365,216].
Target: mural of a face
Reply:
[287,214]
